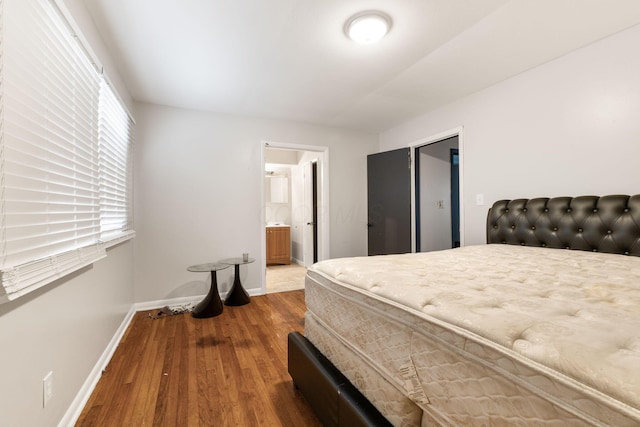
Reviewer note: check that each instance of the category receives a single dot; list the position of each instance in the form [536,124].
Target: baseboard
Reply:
[151,305]
[75,409]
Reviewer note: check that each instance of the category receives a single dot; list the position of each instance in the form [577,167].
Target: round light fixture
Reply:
[367,27]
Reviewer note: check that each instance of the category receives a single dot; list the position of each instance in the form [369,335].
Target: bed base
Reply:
[334,400]
[608,224]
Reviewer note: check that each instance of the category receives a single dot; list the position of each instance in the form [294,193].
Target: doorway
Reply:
[437,195]
[303,209]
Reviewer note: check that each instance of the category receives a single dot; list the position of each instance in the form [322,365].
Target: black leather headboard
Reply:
[608,224]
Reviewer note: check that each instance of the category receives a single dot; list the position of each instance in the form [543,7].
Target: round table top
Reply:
[236,261]
[210,266]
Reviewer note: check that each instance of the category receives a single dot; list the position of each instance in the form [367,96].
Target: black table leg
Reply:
[211,305]
[237,295]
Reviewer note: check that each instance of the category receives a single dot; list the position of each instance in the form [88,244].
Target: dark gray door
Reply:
[389,202]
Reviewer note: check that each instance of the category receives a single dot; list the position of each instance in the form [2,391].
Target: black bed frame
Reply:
[609,224]
[335,401]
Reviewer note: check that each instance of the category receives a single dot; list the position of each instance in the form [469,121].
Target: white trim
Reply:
[297,261]
[457,131]
[75,409]
[127,235]
[325,216]
[150,305]
[263,234]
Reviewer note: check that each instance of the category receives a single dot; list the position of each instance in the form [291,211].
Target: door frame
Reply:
[458,131]
[323,207]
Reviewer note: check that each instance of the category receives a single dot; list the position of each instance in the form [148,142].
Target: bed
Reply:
[518,332]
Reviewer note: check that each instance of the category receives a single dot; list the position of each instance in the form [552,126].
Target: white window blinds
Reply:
[116,171]
[56,207]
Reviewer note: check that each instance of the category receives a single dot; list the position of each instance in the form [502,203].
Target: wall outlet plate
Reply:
[47,388]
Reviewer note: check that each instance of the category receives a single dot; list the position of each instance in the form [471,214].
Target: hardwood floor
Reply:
[229,370]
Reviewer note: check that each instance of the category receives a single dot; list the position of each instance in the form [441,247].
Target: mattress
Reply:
[485,335]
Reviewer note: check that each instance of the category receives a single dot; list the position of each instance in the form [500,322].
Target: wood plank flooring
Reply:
[229,370]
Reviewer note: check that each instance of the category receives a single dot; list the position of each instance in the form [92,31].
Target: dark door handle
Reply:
[311,223]
[369,225]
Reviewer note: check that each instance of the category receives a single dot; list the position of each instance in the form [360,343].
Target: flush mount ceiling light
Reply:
[367,27]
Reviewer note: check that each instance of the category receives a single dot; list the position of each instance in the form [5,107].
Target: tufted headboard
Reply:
[589,223]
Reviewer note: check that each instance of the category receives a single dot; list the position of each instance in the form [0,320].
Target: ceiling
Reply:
[290,59]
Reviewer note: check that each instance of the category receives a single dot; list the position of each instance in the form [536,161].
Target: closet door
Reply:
[389,202]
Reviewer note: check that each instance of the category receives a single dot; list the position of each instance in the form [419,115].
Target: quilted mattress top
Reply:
[572,312]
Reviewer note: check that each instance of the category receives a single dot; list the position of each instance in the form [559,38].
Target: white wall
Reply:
[198,194]
[297,214]
[569,127]
[63,327]
[435,186]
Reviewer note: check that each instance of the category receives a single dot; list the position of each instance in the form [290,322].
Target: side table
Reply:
[211,305]
[237,295]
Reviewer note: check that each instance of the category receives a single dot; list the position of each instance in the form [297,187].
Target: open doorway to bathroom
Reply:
[294,202]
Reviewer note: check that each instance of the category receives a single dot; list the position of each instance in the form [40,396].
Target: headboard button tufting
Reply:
[609,224]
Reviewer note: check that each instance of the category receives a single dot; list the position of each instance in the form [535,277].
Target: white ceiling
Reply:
[290,59]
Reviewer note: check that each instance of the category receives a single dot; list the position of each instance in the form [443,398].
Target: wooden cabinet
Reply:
[278,245]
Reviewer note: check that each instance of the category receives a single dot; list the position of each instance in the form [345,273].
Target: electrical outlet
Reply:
[480,199]
[47,388]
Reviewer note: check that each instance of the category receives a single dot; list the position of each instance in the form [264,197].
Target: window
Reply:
[65,152]
[116,171]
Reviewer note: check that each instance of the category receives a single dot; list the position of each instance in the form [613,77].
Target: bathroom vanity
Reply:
[278,244]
